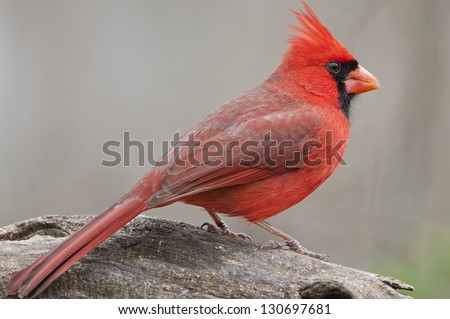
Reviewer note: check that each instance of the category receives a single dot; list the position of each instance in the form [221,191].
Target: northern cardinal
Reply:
[303,106]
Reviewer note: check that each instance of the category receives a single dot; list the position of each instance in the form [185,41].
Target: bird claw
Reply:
[294,245]
[224,231]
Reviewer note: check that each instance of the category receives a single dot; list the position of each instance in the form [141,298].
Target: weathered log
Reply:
[154,258]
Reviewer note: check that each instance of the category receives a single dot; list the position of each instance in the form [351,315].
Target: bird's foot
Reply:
[223,229]
[294,245]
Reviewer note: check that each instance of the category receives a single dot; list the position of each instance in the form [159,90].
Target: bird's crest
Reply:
[312,38]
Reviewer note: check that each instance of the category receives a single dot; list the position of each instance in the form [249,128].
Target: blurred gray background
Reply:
[74,74]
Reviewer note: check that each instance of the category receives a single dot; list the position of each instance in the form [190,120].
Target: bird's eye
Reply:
[334,67]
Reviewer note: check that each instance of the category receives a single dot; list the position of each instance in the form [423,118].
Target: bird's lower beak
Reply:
[360,80]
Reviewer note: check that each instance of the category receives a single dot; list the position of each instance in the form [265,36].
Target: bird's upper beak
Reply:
[360,80]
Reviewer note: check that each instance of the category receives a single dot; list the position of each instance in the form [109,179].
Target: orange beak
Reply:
[360,80]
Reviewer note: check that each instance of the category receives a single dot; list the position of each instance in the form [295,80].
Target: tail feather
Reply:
[36,277]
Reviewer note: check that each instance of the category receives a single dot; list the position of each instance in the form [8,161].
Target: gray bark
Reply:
[153,258]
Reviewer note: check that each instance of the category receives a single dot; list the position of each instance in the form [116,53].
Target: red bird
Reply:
[275,143]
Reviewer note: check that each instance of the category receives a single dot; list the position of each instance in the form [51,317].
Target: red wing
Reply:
[251,151]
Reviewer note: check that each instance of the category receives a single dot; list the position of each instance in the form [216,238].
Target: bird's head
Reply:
[322,68]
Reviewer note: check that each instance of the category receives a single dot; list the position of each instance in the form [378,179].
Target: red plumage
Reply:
[302,101]
[314,42]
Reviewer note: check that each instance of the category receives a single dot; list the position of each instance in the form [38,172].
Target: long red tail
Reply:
[36,277]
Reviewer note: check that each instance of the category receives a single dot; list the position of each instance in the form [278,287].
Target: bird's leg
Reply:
[221,227]
[289,242]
